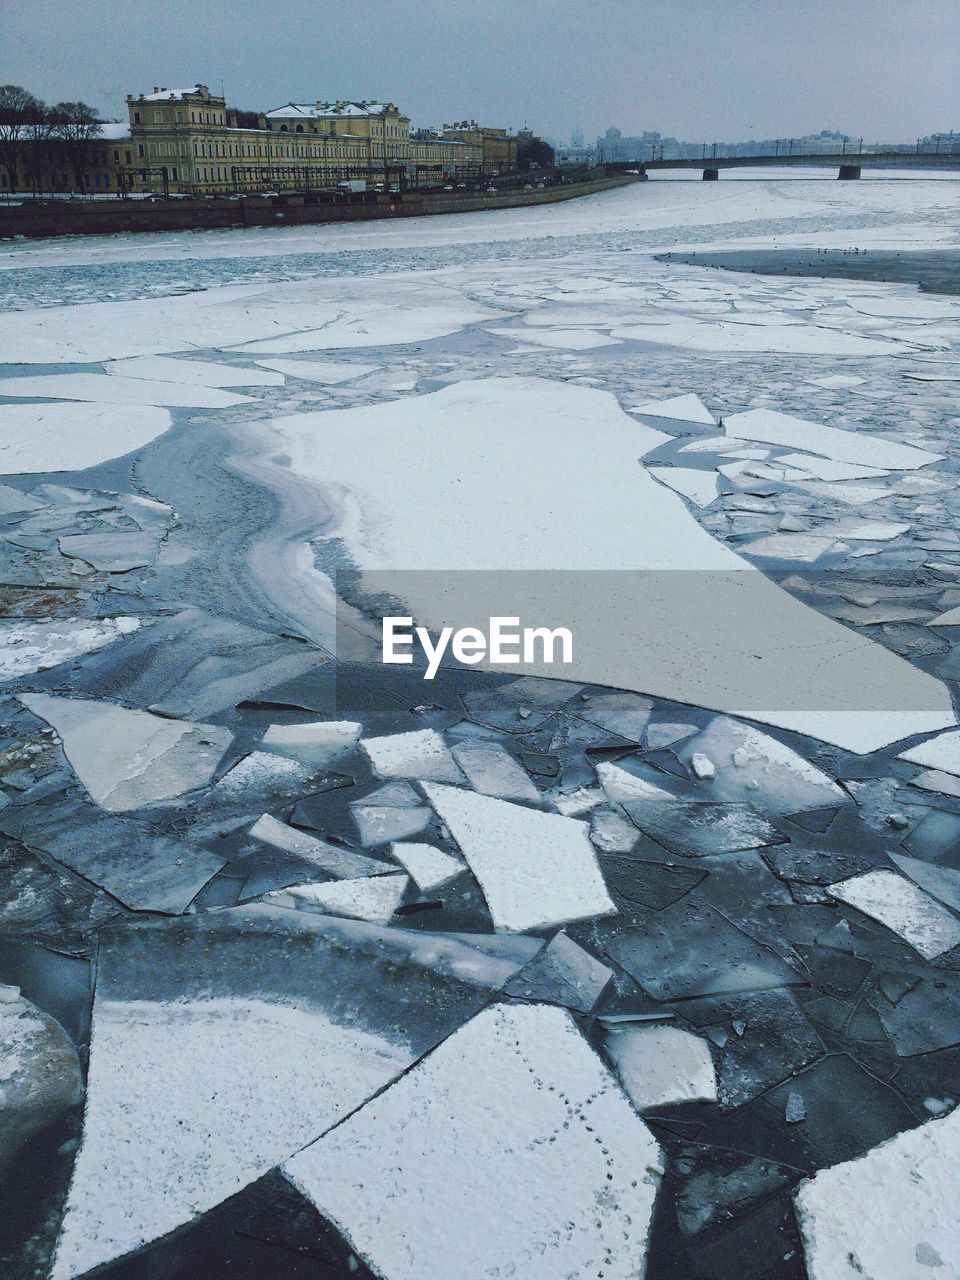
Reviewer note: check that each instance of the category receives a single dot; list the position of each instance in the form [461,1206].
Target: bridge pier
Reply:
[642,172]
[848,172]
[711,175]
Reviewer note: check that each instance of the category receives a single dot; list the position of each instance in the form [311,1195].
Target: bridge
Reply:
[848,163]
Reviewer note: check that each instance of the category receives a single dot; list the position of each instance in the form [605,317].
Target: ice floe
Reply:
[373,898]
[71,437]
[40,1075]
[892,1214]
[557,1160]
[341,863]
[699,486]
[26,647]
[677,640]
[854,447]
[686,408]
[204,373]
[421,753]
[127,759]
[903,908]
[318,743]
[660,1065]
[941,752]
[535,868]
[429,866]
[119,390]
[231,1040]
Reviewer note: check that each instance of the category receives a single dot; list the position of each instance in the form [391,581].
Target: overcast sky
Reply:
[701,70]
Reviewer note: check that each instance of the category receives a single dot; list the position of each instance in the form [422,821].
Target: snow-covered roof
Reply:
[323,110]
[170,95]
[112,130]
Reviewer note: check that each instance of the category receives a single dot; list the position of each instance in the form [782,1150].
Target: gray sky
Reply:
[701,70]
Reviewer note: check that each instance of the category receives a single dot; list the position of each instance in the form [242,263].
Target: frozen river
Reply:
[317,968]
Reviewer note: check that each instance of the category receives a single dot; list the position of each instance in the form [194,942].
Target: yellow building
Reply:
[498,148]
[188,141]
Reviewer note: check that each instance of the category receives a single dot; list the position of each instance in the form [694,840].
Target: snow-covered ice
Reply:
[660,1065]
[892,1214]
[536,1162]
[127,759]
[70,437]
[909,912]
[535,868]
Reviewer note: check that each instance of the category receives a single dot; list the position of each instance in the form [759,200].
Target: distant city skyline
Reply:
[741,69]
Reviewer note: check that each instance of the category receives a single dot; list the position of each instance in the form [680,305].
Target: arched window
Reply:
[284,129]
[299,128]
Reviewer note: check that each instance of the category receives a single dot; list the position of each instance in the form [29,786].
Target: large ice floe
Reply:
[231,1040]
[70,437]
[893,1214]
[536,1165]
[655,603]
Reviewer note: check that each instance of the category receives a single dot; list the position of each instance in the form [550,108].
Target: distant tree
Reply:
[37,135]
[534,153]
[78,126]
[17,106]
[245,119]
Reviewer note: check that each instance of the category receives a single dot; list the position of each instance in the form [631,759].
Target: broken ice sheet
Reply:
[194,664]
[562,973]
[343,864]
[903,908]
[892,1214]
[690,829]
[133,862]
[865,447]
[128,759]
[373,898]
[421,753]
[40,1075]
[660,1065]
[392,812]
[942,883]
[43,902]
[317,744]
[941,752]
[492,770]
[519,706]
[700,487]
[766,1039]
[258,775]
[72,437]
[924,1018]
[27,647]
[685,408]
[429,866]
[753,766]
[535,868]
[718,1184]
[689,949]
[559,1165]
[611,832]
[233,1038]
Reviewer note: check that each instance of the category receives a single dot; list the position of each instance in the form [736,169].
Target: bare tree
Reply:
[17,105]
[78,126]
[37,136]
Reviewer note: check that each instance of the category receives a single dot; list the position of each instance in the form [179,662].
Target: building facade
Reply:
[188,141]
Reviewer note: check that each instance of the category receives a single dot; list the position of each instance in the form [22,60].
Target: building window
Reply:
[140,150]
[174,173]
[136,117]
[129,157]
